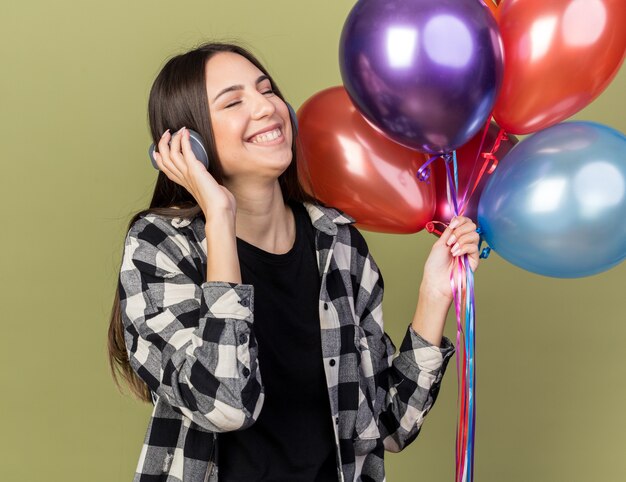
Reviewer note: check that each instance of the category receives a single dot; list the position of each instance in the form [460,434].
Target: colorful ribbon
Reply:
[462,283]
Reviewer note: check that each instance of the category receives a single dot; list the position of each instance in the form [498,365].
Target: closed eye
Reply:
[232,104]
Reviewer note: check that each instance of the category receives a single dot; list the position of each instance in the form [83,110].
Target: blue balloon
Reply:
[557,201]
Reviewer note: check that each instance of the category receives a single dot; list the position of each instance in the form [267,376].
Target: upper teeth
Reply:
[266,136]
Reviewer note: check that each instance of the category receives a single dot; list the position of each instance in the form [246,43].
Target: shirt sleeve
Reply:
[189,340]
[408,380]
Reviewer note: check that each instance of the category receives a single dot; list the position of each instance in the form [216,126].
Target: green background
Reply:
[75,77]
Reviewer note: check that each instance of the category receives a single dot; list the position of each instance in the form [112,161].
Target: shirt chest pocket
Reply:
[366,426]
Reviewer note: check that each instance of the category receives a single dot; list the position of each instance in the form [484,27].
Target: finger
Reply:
[175,151]
[467,238]
[461,220]
[163,156]
[465,249]
[467,226]
[170,173]
[177,165]
[186,147]
[445,236]
[194,163]
[165,162]
[164,148]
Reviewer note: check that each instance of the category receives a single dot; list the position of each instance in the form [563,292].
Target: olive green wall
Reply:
[74,82]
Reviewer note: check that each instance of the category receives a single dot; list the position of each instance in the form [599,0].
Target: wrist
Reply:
[221,222]
[434,295]
[430,314]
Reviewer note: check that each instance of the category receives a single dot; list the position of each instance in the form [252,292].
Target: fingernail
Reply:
[451,240]
[454,223]
[165,133]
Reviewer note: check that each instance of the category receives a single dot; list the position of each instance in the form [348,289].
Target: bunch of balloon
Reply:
[427,74]
[546,207]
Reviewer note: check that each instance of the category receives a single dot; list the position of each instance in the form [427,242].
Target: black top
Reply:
[292,439]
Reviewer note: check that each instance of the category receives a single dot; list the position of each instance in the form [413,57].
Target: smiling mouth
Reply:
[268,138]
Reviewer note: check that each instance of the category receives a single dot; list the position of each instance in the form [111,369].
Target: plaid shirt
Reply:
[193,343]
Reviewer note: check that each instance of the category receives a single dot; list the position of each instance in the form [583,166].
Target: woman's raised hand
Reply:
[459,238]
[180,165]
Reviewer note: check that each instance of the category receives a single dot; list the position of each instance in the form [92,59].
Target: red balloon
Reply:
[355,168]
[469,161]
[559,56]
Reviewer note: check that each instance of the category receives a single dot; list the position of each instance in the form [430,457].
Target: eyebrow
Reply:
[239,86]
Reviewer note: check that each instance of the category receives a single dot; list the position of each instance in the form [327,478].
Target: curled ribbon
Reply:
[490,161]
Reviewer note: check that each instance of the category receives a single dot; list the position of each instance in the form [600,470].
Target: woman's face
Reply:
[251,124]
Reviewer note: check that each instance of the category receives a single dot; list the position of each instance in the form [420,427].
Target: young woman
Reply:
[249,313]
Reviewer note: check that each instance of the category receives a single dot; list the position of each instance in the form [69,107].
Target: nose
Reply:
[262,106]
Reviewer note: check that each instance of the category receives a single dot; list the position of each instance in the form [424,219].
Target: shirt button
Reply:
[337,420]
[244,302]
[325,306]
[243,338]
[332,362]
[245,371]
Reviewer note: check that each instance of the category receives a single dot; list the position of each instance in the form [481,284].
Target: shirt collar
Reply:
[327,219]
[324,219]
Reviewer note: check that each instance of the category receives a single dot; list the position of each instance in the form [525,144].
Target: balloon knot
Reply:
[485,252]
[431,228]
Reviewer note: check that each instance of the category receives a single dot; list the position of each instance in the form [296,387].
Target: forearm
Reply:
[430,315]
[222,259]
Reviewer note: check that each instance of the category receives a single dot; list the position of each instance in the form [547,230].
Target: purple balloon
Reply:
[426,73]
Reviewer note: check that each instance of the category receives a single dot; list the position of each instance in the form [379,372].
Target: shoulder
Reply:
[150,223]
[151,233]
[151,228]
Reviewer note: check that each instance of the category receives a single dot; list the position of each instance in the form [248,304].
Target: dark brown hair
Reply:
[178,98]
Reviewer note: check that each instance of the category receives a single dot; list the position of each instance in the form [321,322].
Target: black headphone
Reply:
[197,144]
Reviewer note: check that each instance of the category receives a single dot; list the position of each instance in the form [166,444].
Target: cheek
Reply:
[228,134]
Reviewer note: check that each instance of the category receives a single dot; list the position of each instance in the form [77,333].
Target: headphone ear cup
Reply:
[197,146]
[151,150]
[294,118]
